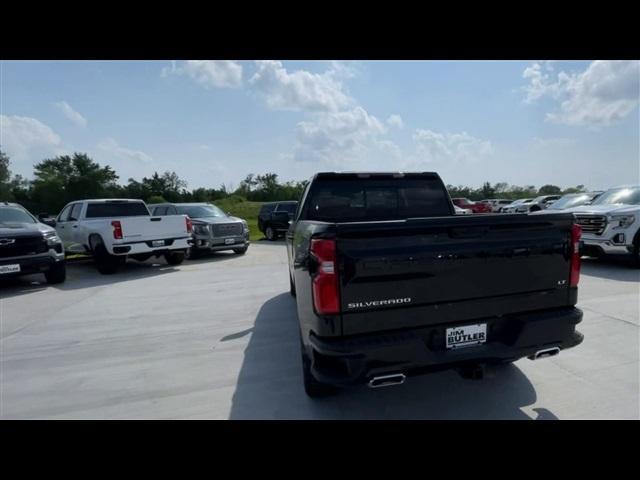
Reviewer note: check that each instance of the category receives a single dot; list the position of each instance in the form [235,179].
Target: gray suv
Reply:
[213,229]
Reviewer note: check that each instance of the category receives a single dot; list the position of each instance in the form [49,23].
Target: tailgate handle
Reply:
[156,219]
[468,232]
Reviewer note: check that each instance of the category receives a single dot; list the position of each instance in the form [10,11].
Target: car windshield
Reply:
[570,201]
[627,196]
[15,215]
[200,211]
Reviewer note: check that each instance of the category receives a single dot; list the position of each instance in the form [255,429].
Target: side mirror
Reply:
[49,221]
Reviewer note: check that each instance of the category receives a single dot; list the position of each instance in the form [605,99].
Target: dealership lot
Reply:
[217,338]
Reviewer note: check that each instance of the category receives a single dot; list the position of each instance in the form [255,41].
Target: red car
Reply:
[475,207]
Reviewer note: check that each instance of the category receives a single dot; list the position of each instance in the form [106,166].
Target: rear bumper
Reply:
[356,359]
[135,248]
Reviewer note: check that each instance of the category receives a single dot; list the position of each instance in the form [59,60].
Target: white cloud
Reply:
[26,139]
[208,73]
[604,93]
[300,90]
[112,147]
[337,137]
[395,121]
[449,147]
[71,114]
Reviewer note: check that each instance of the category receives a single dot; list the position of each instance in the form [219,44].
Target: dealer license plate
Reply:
[14,268]
[466,336]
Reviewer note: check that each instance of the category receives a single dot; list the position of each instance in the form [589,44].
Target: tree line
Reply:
[62,179]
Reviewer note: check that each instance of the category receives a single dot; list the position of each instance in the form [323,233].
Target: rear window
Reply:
[268,208]
[287,207]
[117,209]
[353,200]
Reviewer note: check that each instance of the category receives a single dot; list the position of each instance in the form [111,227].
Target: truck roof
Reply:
[105,200]
[373,174]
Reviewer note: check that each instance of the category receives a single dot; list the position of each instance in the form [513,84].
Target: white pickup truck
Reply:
[114,229]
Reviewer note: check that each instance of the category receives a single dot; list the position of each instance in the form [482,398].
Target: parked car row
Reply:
[112,230]
[610,222]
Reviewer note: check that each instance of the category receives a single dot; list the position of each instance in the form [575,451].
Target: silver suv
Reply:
[213,229]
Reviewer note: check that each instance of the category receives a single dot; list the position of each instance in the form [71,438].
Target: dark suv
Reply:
[274,218]
[28,246]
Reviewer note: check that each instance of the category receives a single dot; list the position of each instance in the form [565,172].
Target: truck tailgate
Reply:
[145,228]
[448,268]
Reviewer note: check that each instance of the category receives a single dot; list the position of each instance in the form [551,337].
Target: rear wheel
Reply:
[106,263]
[57,273]
[174,258]
[312,387]
[270,233]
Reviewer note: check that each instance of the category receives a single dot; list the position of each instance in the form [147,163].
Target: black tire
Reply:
[57,273]
[535,209]
[292,287]
[174,258]
[193,253]
[270,233]
[312,387]
[106,264]
[240,251]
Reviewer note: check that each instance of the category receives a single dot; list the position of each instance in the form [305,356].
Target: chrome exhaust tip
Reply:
[547,352]
[387,380]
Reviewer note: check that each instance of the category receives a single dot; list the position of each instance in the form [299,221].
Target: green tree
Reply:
[5,173]
[155,199]
[576,189]
[549,190]
[487,191]
[66,178]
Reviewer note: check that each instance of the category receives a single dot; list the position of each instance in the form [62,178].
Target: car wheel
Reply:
[57,273]
[312,387]
[240,251]
[270,234]
[535,209]
[193,253]
[106,263]
[174,258]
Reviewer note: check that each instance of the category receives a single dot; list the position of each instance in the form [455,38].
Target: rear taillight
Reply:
[117,229]
[189,225]
[576,233]
[326,299]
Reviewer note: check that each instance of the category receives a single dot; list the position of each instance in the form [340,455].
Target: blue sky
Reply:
[213,122]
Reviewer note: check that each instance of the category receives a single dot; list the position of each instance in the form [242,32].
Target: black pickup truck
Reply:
[389,282]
